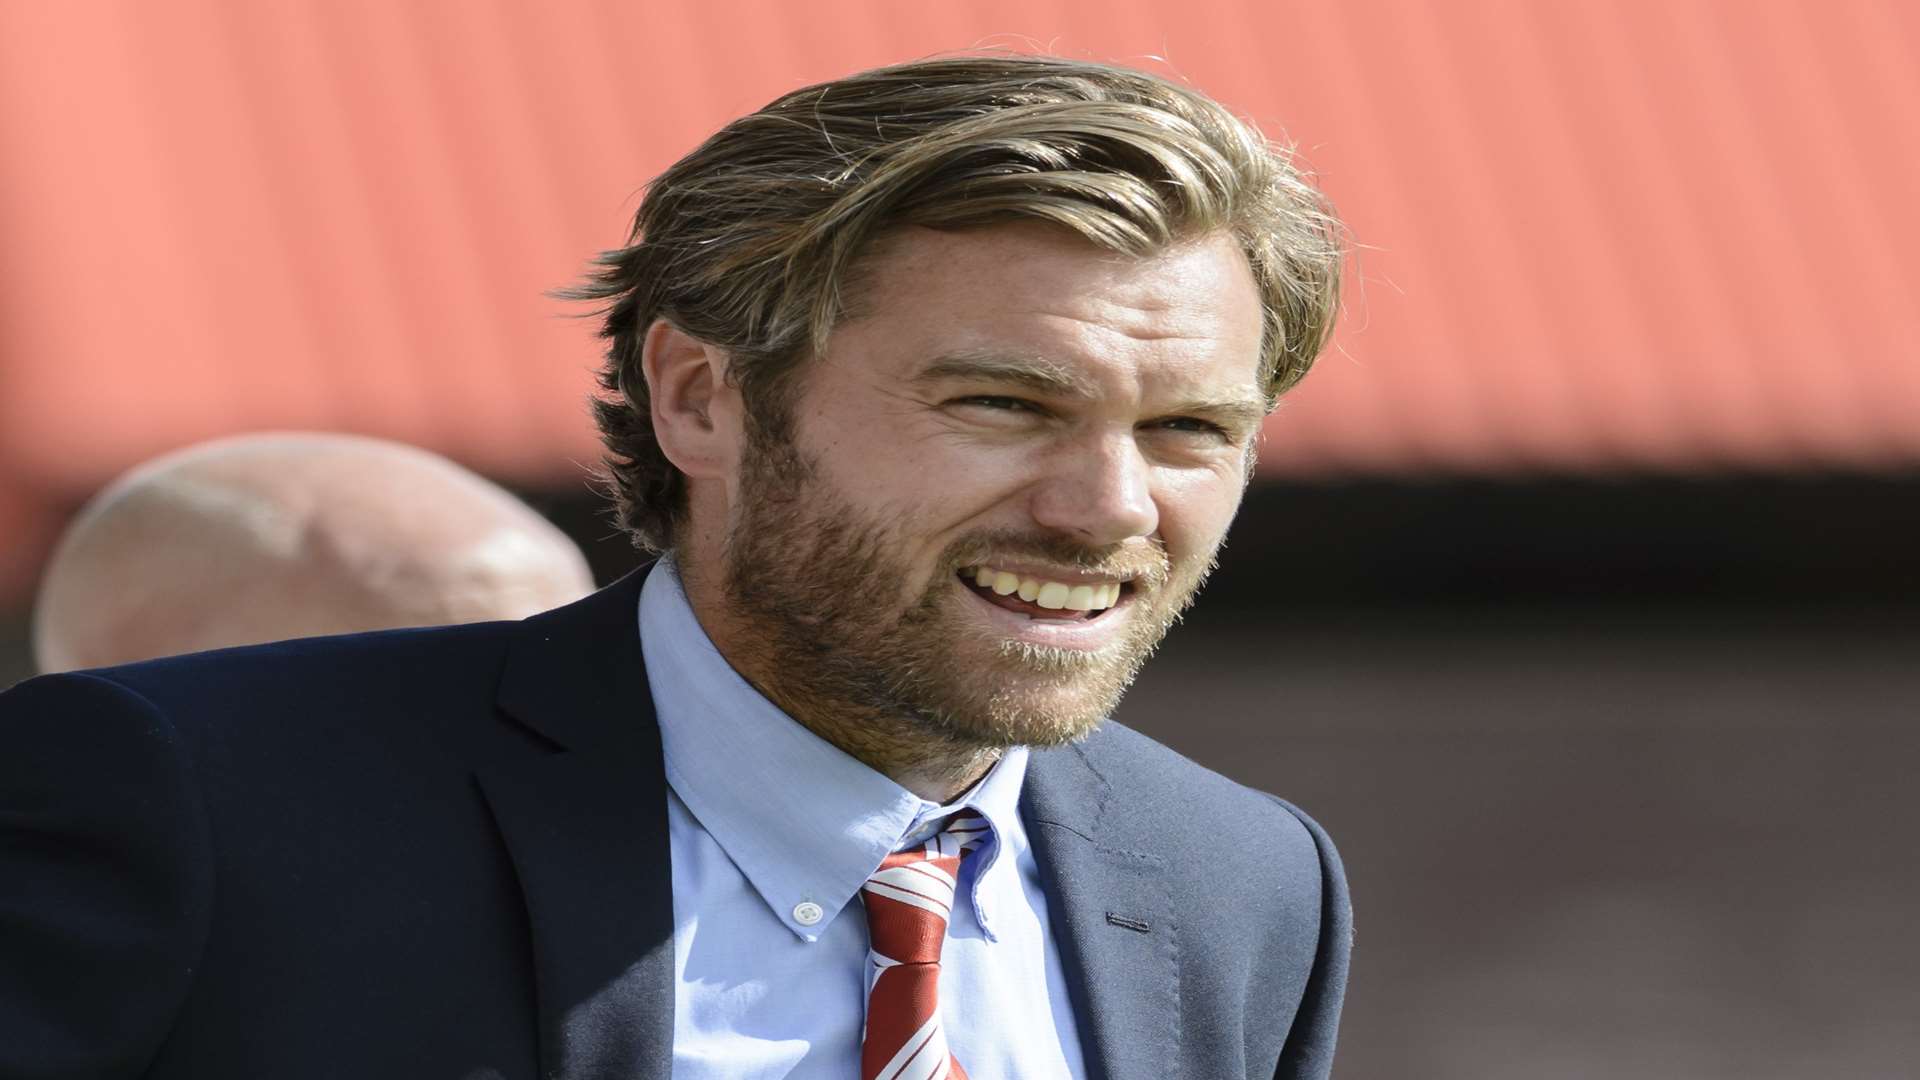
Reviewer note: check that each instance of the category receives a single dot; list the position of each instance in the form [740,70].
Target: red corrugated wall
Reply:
[1590,236]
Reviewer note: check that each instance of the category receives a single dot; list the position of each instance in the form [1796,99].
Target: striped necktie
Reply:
[907,901]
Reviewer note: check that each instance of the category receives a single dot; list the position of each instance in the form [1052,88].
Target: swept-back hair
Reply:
[753,241]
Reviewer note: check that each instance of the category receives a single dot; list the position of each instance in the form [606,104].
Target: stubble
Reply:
[815,584]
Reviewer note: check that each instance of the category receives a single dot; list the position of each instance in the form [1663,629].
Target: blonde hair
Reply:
[753,241]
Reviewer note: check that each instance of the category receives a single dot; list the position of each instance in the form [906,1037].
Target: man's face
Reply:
[1005,479]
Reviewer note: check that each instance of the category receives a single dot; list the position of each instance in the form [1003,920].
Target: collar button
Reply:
[807,913]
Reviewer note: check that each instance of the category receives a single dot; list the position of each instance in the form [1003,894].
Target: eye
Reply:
[1195,426]
[997,403]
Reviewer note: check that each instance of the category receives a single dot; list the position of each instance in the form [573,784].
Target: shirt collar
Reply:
[804,822]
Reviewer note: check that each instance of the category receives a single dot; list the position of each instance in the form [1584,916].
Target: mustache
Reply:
[1144,561]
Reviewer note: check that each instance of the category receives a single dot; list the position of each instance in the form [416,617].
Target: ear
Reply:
[696,412]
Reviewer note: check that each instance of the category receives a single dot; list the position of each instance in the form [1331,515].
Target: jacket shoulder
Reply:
[104,858]
[1162,792]
[378,670]
[1264,893]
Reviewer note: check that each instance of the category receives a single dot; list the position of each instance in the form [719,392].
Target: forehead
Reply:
[1189,313]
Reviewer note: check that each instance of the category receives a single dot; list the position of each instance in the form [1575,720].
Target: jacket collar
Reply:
[584,818]
[1111,910]
[575,675]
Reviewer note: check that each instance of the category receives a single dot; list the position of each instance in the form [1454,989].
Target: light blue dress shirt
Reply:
[773,831]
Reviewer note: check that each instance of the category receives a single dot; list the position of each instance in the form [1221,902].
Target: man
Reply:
[269,536]
[939,386]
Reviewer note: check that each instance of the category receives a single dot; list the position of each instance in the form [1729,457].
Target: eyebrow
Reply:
[1035,372]
[1047,377]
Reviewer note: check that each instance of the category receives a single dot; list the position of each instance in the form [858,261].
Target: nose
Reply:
[1099,489]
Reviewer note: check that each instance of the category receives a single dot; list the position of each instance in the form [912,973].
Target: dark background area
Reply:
[1620,770]
[1817,540]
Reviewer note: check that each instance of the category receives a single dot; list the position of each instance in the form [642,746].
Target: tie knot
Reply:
[909,899]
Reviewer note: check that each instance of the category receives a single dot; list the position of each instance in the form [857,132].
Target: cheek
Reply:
[913,466]
[931,500]
[1196,506]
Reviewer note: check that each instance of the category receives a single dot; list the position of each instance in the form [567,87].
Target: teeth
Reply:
[1053,595]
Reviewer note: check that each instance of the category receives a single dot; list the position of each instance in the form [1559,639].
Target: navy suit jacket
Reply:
[443,853]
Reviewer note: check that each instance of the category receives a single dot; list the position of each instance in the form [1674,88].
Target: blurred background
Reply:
[1577,594]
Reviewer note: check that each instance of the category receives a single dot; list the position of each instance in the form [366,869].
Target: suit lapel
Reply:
[585,824]
[1110,910]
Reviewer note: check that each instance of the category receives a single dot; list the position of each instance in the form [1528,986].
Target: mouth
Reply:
[1045,599]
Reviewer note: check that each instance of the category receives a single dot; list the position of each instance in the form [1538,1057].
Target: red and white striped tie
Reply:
[907,901]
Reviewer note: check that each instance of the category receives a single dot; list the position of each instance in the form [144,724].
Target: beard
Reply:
[815,581]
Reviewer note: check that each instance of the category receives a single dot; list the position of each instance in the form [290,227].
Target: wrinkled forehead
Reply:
[1045,299]
[1012,246]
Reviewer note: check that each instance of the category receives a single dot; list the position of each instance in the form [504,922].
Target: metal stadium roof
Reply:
[1590,237]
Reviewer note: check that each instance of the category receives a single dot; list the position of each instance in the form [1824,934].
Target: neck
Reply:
[932,764]
[933,767]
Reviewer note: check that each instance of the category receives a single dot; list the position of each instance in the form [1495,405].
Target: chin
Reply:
[1042,713]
